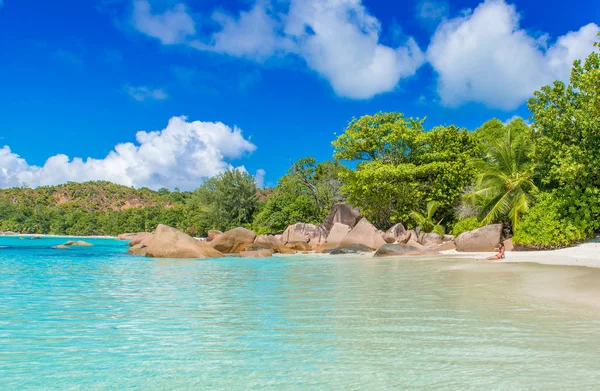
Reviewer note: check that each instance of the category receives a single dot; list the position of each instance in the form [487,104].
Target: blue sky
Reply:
[260,82]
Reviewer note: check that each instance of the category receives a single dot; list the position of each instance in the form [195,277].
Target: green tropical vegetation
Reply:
[541,179]
[425,221]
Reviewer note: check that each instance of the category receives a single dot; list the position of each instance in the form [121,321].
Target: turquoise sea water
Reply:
[94,318]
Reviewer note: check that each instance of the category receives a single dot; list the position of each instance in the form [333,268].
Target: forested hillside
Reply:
[91,196]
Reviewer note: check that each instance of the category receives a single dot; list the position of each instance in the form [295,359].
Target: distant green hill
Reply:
[91,196]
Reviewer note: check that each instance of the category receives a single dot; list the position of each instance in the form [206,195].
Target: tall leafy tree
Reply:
[567,127]
[504,186]
[400,166]
[228,200]
[305,194]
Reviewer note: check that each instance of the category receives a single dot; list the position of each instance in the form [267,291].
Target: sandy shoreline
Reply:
[585,254]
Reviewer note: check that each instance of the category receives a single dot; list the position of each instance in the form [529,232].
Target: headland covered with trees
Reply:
[540,179]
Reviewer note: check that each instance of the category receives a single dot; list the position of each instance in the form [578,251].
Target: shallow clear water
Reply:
[97,318]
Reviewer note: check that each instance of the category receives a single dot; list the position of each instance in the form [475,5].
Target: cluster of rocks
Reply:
[73,243]
[343,231]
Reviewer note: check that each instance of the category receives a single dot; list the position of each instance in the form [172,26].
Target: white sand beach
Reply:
[585,254]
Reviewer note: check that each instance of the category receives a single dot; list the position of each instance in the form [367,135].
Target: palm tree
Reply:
[425,220]
[504,185]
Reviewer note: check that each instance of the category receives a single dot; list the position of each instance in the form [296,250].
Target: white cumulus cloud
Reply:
[484,56]
[181,155]
[142,93]
[170,27]
[253,34]
[339,39]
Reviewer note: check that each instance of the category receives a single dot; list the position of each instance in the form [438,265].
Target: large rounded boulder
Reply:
[402,249]
[343,214]
[143,238]
[336,235]
[431,239]
[364,233]
[270,242]
[233,241]
[126,236]
[168,242]
[396,234]
[482,239]
[314,235]
[213,233]
[350,249]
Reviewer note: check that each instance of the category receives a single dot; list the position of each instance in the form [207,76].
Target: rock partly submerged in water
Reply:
[300,232]
[141,238]
[403,249]
[168,242]
[138,249]
[77,243]
[298,246]
[270,242]
[263,253]
[233,241]
[61,246]
[127,236]
[350,249]
[482,239]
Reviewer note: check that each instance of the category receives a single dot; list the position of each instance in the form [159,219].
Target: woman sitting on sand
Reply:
[500,254]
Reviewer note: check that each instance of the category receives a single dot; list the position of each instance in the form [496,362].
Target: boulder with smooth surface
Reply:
[233,241]
[126,236]
[431,239]
[60,246]
[413,235]
[138,249]
[364,233]
[141,238]
[350,249]
[268,242]
[402,249]
[482,239]
[344,214]
[336,234]
[396,234]
[213,233]
[78,243]
[300,232]
[448,238]
[298,246]
[169,242]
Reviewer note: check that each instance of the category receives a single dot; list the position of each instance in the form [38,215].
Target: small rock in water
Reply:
[60,246]
[78,243]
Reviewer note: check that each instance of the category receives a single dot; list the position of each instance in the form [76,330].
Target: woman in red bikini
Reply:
[500,254]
